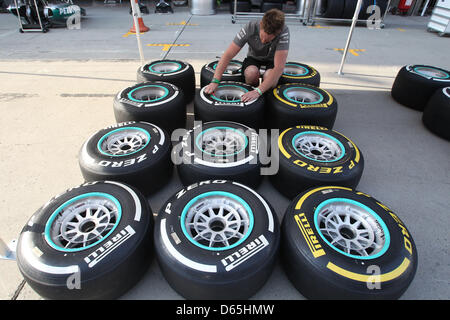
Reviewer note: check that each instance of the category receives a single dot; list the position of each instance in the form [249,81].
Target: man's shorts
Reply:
[250,61]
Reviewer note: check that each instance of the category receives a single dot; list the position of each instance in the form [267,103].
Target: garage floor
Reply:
[57,89]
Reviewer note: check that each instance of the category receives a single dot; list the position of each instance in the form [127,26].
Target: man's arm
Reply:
[229,54]
[271,76]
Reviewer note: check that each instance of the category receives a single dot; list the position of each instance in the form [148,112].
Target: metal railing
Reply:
[314,15]
[301,13]
[307,12]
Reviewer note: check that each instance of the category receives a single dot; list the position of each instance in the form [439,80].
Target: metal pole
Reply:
[308,10]
[18,14]
[355,18]
[425,7]
[138,30]
[387,9]
[39,15]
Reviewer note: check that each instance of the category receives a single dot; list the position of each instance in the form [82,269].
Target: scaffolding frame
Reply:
[313,17]
[302,14]
[306,13]
[33,28]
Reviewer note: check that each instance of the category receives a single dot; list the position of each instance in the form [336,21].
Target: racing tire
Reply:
[349,9]
[136,153]
[233,72]
[160,103]
[316,156]
[333,8]
[295,72]
[292,104]
[179,73]
[219,150]
[198,259]
[415,84]
[225,105]
[93,241]
[436,115]
[338,243]
[241,6]
[267,5]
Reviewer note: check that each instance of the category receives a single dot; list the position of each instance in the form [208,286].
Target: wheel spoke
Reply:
[350,228]
[221,222]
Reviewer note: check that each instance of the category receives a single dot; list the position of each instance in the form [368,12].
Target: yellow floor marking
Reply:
[182,23]
[352,51]
[130,33]
[400,29]
[319,27]
[166,46]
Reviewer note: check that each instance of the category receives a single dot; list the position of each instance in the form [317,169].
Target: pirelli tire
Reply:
[176,72]
[349,9]
[93,241]
[225,105]
[219,150]
[271,4]
[415,84]
[241,6]
[160,103]
[216,239]
[315,156]
[136,153]
[436,115]
[333,8]
[233,72]
[295,72]
[338,243]
[292,104]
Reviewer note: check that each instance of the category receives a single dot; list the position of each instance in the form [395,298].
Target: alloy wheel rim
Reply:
[217,221]
[83,222]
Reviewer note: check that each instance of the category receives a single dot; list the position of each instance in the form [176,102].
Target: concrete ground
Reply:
[57,89]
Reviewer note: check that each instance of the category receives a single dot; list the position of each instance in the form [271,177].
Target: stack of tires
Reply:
[95,240]
[329,225]
[241,6]
[271,4]
[217,237]
[345,9]
[246,5]
[427,89]
[331,231]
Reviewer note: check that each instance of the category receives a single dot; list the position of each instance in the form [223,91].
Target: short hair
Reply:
[273,21]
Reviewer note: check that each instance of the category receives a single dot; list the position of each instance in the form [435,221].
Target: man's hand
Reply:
[210,88]
[249,96]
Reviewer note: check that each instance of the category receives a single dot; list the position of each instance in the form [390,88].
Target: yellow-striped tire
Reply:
[292,104]
[295,72]
[316,156]
[338,243]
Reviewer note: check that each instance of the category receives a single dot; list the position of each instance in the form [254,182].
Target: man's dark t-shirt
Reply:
[256,49]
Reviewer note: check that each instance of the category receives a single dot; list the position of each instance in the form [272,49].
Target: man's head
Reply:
[271,25]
